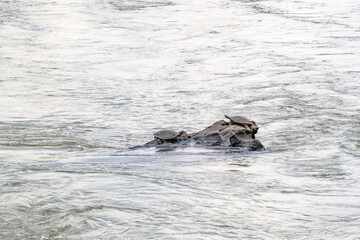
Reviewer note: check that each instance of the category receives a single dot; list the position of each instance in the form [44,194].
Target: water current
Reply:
[81,81]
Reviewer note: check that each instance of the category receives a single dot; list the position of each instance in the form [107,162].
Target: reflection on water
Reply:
[83,81]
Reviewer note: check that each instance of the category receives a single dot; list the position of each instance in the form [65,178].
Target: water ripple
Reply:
[83,81]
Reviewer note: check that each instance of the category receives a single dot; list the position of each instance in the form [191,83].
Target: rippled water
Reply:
[81,81]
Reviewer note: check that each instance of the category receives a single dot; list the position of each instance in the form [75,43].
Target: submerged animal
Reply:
[239,132]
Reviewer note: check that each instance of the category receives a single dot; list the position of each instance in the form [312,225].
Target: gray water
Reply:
[81,81]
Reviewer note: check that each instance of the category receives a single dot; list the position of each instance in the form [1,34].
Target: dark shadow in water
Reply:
[199,149]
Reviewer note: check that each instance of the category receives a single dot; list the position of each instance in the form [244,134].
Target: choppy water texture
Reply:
[81,81]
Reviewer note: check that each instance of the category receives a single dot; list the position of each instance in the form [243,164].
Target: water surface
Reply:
[81,81]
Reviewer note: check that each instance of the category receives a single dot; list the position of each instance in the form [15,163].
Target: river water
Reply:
[81,81]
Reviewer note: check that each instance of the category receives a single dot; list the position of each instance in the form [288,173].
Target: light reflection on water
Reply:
[83,81]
